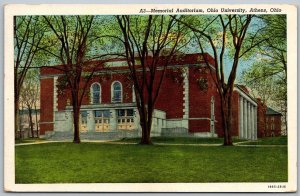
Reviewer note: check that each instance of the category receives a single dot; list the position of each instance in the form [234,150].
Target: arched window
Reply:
[95,93]
[212,115]
[116,89]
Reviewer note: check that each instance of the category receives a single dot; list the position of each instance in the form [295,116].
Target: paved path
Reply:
[276,145]
[61,141]
[240,144]
[38,142]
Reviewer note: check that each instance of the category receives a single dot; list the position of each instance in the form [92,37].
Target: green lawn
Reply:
[98,162]
[179,140]
[269,141]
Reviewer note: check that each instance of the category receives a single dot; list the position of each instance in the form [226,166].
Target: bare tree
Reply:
[226,36]
[28,35]
[29,95]
[75,50]
[37,90]
[150,43]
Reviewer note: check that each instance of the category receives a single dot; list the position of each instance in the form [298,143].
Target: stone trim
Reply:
[186,109]
[47,76]
[55,99]
[204,134]
[44,76]
[246,96]
[105,106]
[41,123]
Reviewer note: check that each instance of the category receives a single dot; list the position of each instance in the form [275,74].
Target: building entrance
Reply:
[101,120]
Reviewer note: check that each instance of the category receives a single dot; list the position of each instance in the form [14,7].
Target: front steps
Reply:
[116,135]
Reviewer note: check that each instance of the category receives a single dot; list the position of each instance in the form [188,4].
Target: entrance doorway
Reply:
[101,120]
[125,119]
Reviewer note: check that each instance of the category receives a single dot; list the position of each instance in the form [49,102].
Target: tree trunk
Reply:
[36,121]
[17,117]
[20,123]
[227,132]
[30,121]
[146,139]
[76,113]
[146,128]
[227,116]
[16,98]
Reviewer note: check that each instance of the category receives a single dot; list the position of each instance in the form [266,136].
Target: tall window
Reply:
[116,92]
[272,123]
[133,95]
[96,93]
[212,114]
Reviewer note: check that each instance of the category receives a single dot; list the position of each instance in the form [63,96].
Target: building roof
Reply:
[244,89]
[120,64]
[270,111]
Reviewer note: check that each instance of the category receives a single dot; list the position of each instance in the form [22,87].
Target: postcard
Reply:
[150,98]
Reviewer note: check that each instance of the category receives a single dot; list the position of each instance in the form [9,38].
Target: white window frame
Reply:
[133,95]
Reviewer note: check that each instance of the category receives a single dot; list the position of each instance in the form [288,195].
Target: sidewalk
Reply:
[240,144]
[61,141]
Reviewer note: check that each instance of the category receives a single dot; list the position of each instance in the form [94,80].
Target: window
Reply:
[96,93]
[133,95]
[130,112]
[127,112]
[100,113]
[272,126]
[116,92]
[121,113]
[83,121]
[212,114]
[101,120]
[125,119]
[83,117]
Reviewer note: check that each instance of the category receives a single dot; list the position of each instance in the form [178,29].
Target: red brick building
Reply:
[188,103]
[261,118]
[269,121]
[273,123]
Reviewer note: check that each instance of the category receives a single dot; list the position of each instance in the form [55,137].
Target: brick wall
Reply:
[170,98]
[261,118]
[235,114]
[202,88]
[46,98]
[273,125]
[277,120]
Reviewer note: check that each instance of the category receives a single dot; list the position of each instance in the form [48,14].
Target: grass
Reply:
[179,140]
[99,162]
[269,141]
